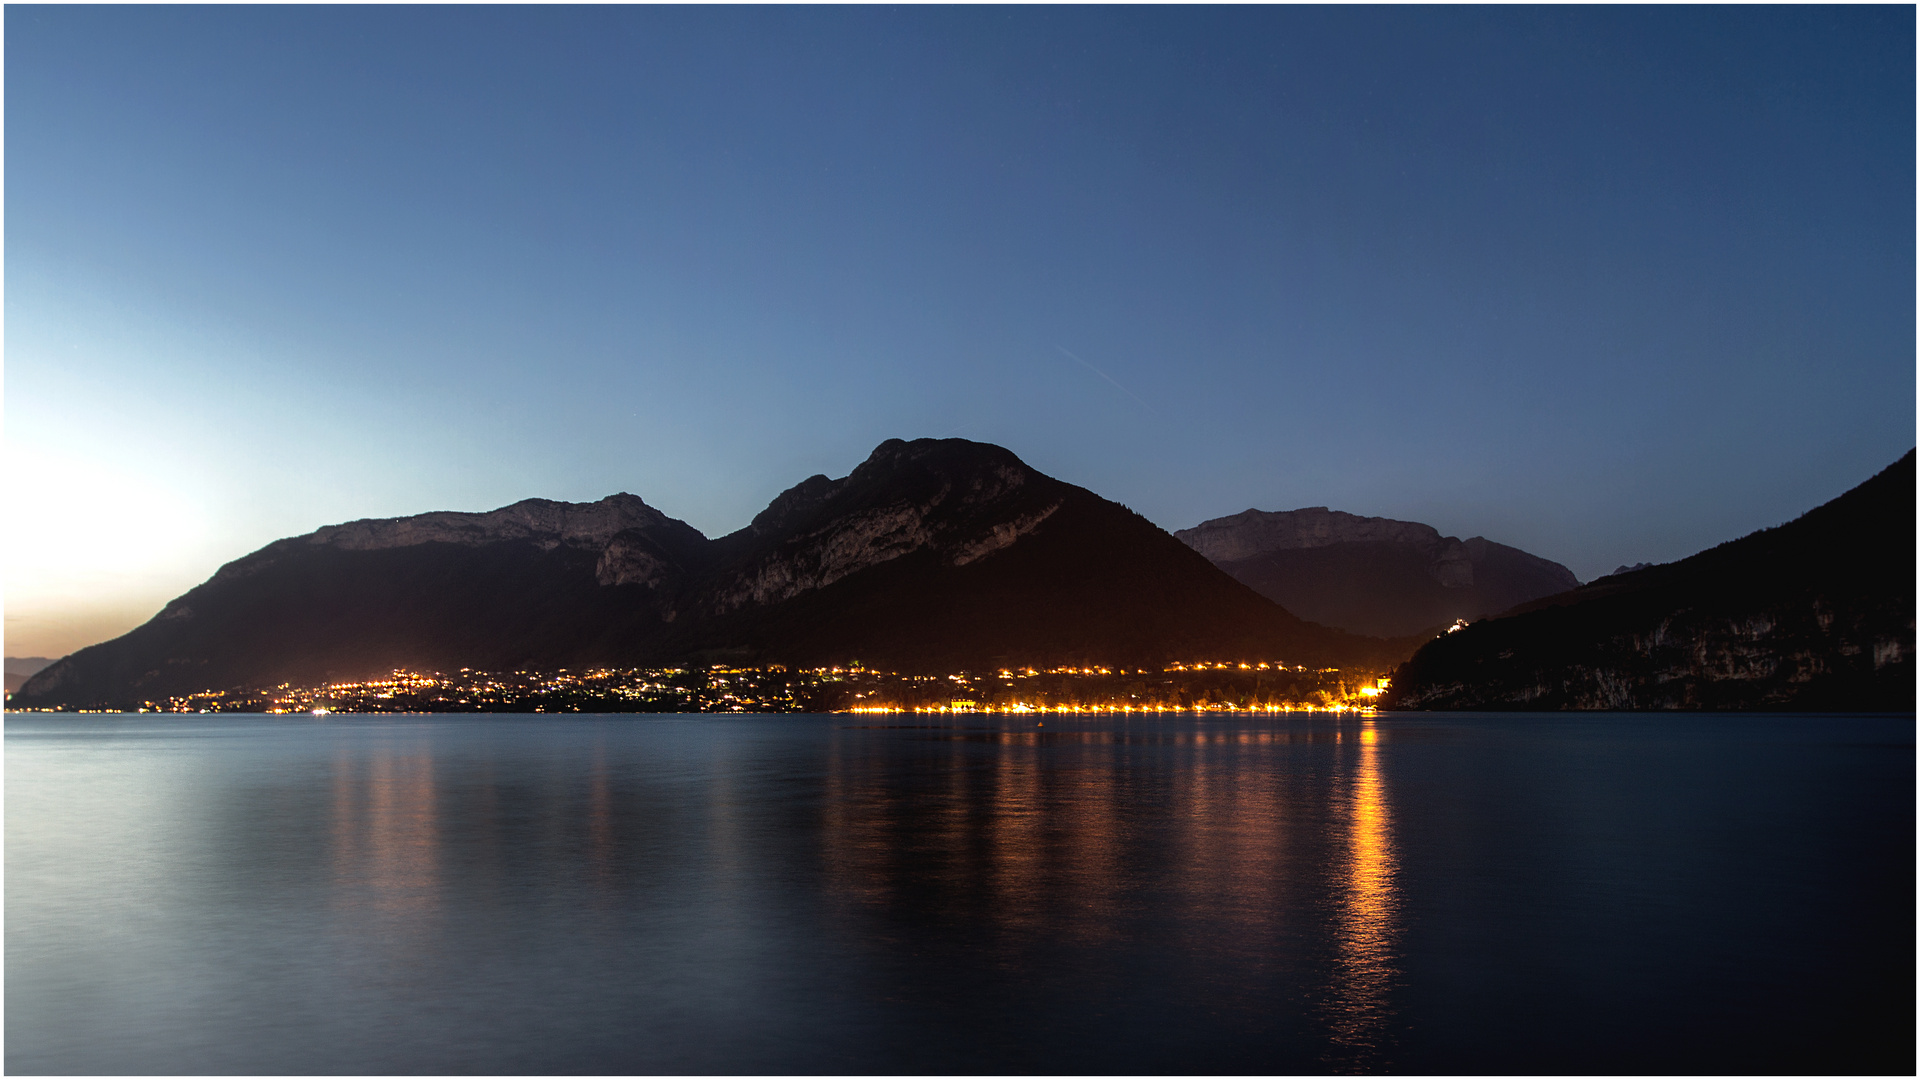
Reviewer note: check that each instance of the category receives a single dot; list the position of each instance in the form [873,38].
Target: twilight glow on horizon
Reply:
[1610,285]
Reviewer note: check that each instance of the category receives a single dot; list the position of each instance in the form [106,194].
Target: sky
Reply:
[1611,285]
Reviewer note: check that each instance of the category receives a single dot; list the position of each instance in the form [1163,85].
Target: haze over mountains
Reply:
[1373,575]
[933,555]
[1816,614]
[22,668]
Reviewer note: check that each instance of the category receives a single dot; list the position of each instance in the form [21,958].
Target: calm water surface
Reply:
[1611,893]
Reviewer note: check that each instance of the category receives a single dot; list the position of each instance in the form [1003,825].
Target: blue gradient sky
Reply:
[1611,285]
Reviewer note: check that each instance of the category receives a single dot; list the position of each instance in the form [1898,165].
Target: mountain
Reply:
[1373,575]
[21,668]
[1816,614]
[932,555]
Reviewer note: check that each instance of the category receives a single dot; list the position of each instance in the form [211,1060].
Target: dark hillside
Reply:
[1095,583]
[1816,614]
[331,614]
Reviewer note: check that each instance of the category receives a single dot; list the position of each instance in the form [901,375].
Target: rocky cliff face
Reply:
[1372,575]
[896,503]
[934,555]
[544,522]
[1815,614]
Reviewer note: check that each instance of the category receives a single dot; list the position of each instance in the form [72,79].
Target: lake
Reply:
[744,894]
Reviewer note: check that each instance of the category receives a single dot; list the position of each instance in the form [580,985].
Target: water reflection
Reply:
[385,832]
[1250,857]
[1360,1005]
[545,895]
[1235,846]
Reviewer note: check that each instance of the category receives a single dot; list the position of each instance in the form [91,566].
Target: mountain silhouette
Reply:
[1816,614]
[931,556]
[1373,575]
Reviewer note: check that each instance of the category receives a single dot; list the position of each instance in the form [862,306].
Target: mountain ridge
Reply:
[929,555]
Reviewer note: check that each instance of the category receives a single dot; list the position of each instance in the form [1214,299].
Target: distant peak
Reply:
[1253,532]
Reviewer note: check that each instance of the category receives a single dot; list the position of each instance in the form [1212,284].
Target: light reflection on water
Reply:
[1086,838]
[782,894]
[1360,1007]
[385,834]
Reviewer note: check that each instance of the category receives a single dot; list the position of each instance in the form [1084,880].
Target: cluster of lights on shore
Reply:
[1018,708]
[968,706]
[776,688]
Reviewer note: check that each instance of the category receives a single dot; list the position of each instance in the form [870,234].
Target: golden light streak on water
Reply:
[1360,1005]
